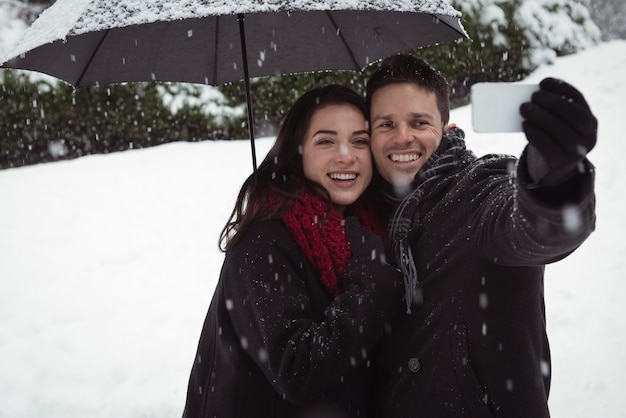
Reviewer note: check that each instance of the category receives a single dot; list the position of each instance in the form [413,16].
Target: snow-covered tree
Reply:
[511,38]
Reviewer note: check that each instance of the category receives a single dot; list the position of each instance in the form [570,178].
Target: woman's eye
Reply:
[362,141]
[324,141]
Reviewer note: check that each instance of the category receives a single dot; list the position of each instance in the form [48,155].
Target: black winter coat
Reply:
[275,344]
[477,346]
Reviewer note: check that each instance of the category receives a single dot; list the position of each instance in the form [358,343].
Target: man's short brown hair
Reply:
[406,68]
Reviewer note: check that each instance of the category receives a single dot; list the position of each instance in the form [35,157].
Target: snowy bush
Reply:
[45,120]
[511,38]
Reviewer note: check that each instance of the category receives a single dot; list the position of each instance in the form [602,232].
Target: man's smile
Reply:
[405,157]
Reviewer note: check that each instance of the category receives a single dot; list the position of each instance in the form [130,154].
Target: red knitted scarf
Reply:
[322,235]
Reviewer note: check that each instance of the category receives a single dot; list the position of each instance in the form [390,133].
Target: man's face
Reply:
[406,130]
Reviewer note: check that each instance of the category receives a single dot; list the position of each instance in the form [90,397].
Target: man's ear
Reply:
[449,127]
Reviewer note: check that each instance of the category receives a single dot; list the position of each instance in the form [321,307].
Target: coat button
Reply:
[414,365]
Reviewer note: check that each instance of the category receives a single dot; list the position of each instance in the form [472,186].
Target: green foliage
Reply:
[272,96]
[43,121]
[493,52]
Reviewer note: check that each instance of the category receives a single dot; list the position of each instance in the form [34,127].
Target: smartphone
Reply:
[495,106]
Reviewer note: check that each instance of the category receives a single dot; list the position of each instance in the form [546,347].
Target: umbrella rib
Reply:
[343,40]
[215,58]
[246,79]
[93,55]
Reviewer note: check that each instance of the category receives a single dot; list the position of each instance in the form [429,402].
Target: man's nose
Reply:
[403,133]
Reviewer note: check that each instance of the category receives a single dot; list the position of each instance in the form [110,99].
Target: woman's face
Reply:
[336,153]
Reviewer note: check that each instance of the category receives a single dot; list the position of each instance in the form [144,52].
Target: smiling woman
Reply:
[304,263]
[336,153]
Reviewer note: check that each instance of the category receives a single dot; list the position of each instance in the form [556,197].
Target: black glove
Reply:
[364,243]
[560,129]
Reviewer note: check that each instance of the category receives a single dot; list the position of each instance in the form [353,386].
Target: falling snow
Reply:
[108,263]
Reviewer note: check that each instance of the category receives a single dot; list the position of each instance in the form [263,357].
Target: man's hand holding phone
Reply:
[555,117]
[560,129]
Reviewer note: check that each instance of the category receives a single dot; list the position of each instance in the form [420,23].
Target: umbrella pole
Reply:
[246,79]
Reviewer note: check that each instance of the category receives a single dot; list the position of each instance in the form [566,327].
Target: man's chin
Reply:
[401,187]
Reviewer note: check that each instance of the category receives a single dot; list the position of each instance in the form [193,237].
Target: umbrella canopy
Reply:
[94,42]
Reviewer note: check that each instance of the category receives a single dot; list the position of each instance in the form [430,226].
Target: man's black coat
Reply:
[477,346]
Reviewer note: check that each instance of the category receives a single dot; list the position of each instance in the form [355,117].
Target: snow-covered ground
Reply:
[108,264]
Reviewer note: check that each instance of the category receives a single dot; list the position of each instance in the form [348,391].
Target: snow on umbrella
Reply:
[95,42]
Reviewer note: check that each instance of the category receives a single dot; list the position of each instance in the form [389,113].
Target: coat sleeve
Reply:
[270,294]
[514,225]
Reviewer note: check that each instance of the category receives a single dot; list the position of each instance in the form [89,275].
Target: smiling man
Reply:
[408,129]
[472,237]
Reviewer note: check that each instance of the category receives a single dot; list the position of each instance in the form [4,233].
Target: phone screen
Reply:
[495,106]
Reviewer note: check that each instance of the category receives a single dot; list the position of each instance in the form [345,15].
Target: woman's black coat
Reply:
[477,346]
[275,344]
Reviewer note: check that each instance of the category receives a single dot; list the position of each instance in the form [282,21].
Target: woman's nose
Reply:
[345,154]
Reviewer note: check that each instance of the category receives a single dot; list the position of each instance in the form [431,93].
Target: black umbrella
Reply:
[94,42]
